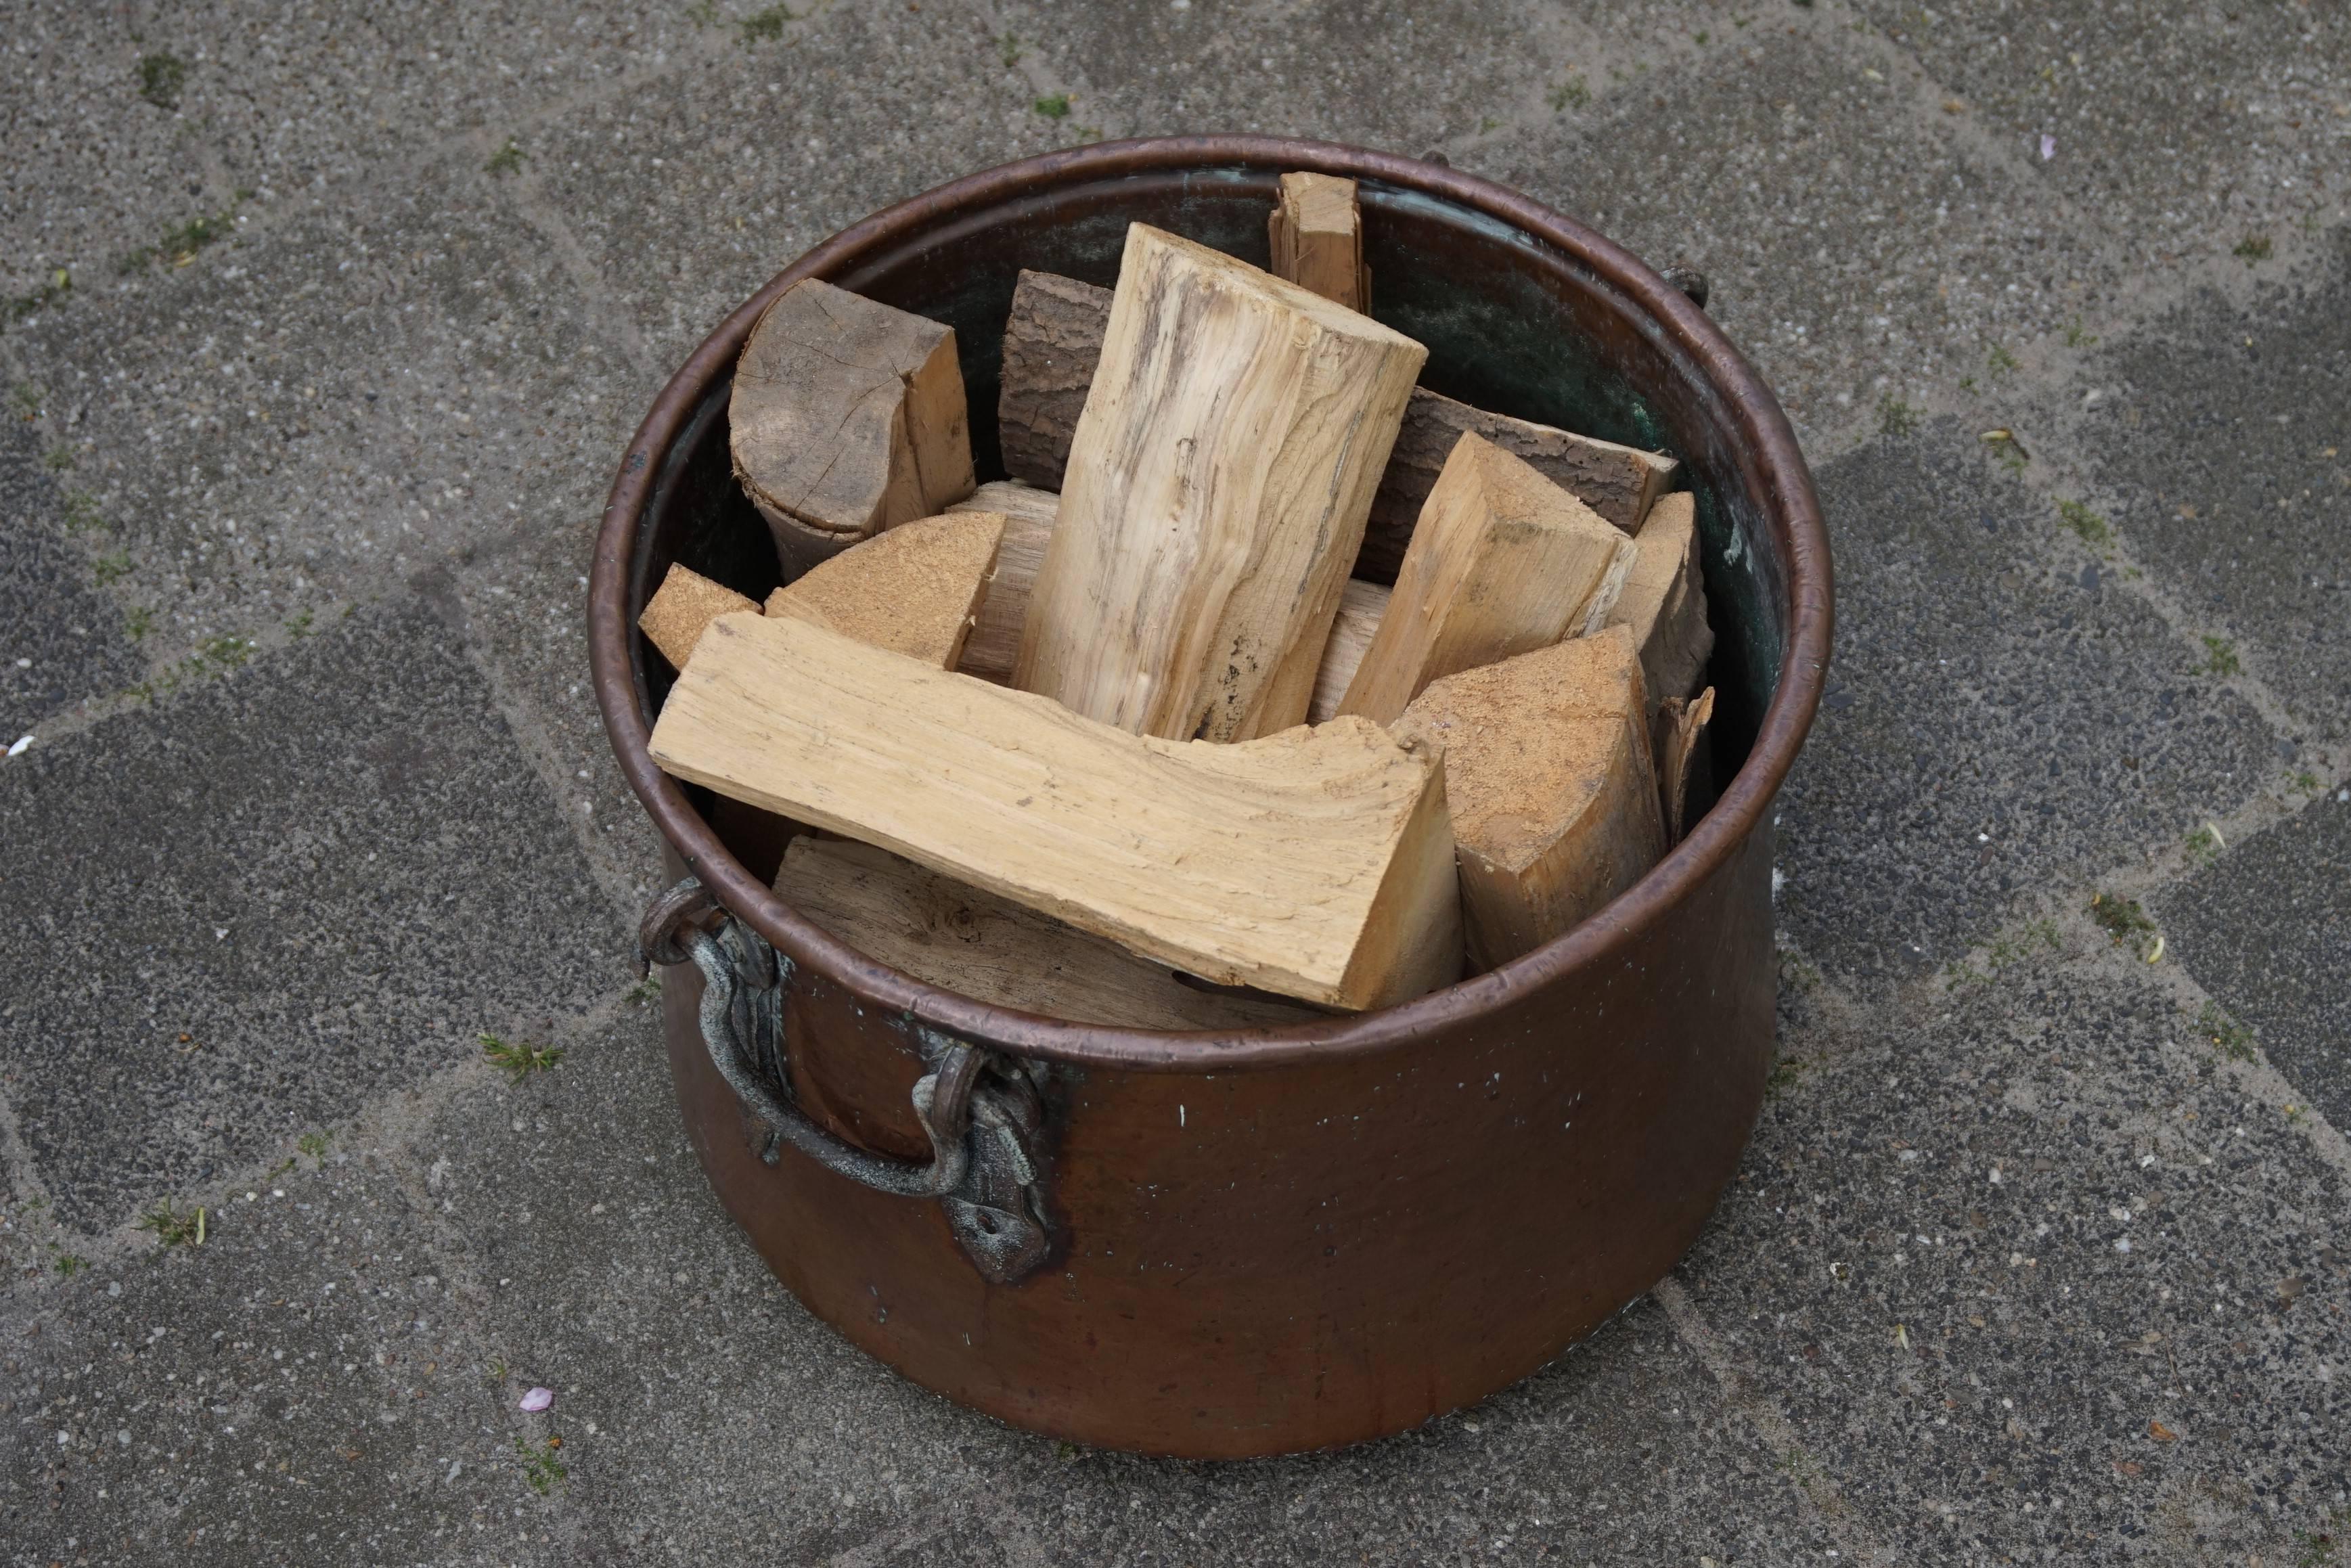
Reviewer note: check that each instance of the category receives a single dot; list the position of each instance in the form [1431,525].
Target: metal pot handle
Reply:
[980,1109]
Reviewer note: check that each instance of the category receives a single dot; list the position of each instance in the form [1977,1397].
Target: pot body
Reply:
[1296,1239]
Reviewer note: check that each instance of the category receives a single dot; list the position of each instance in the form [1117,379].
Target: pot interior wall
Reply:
[1505,332]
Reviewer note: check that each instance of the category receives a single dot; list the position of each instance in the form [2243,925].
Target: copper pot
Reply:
[1245,1244]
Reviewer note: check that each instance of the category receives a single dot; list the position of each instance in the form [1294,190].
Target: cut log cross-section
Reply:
[1503,562]
[1316,863]
[1316,232]
[1554,797]
[956,938]
[847,417]
[913,591]
[1217,491]
[685,602]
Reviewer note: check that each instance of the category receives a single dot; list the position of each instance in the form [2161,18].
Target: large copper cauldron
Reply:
[1230,1245]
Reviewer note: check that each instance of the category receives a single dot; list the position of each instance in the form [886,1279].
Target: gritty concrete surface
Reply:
[302,454]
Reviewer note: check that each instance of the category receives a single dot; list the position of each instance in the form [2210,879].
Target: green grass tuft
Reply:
[1054,106]
[2221,657]
[519,1059]
[160,77]
[2085,524]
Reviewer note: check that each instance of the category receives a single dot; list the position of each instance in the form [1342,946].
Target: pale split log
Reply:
[1618,482]
[1663,602]
[1028,516]
[1554,793]
[1215,494]
[1677,738]
[1361,606]
[1316,863]
[1503,561]
[1316,233]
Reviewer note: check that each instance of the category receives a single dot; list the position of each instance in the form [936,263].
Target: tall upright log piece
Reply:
[1217,490]
[913,591]
[847,417]
[947,933]
[1316,863]
[1503,562]
[1663,602]
[1028,516]
[1316,231]
[1554,794]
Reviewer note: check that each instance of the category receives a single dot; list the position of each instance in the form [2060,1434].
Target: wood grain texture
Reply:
[1554,794]
[914,589]
[1052,341]
[1618,482]
[1503,561]
[1059,333]
[1316,233]
[1316,863]
[950,935]
[1677,740]
[684,603]
[1215,494]
[1029,515]
[1361,606]
[1663,602]
[847,416]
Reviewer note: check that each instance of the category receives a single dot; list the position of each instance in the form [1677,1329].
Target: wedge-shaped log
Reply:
[1361,606]
[950,935]
[1052,341]
[847,417]
[684,603]
[1316,232]
[1553,795]
[1620,482]
[1028,516]
[1316,863]
[1663,602]
[1051,346]
[1677,738]
[1503,562]
[1217,491]
[913,591]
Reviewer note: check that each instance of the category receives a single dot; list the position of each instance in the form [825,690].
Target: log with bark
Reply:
[847,417]
[1553,795]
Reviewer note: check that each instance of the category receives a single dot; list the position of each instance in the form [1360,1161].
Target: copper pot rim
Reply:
[1769,450]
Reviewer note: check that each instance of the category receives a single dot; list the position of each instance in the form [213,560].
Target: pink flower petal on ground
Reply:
[2048,147]
[537,1399]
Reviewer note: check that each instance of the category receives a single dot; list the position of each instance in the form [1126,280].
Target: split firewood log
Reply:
[914,590]
[1554,797]
[1315,864]
[1663,602]
[847,417]
[1503,561]
[1217,490]
[1316,231]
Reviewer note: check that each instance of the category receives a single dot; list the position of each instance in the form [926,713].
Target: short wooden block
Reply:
[913,591]
[684,603]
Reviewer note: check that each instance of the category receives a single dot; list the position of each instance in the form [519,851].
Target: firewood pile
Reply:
[1270,681]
